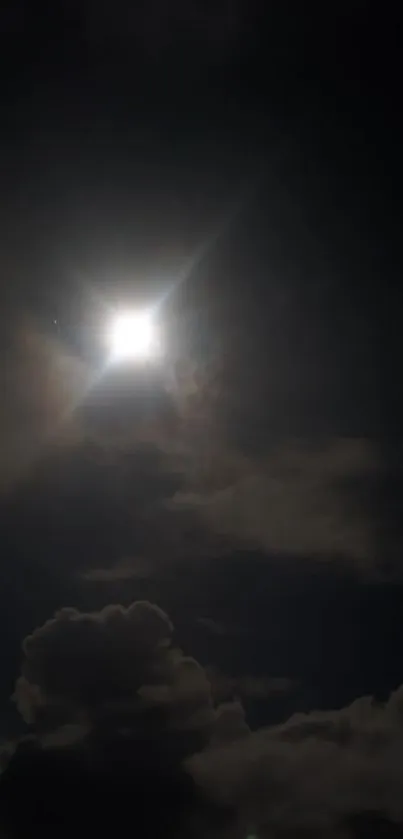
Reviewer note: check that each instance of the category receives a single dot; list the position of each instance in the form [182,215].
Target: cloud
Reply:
[226,687]
[53,400]
[316,770]
[231,725]
[85,471]
[117,667]
[92,505]
[296,500]
[261,687]
[62,790]
[112,665]
[168,488]
[113,700]
[126,569]
[116,708]
[219,628]
[41,385]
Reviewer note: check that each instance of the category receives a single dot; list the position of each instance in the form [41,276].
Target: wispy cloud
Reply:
[296,500]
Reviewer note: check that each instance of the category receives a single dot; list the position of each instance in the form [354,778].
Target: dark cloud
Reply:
[112,697]
[317,770]
[157,435]
[118,663]
[113,490]
[231,724]
[259,687]
[138,446]
[226,687]
[90,504]
[117,667]
[126,569]
[219,628]
[87,789]
[115,708]
[295,500]
[42,385]
[87,463]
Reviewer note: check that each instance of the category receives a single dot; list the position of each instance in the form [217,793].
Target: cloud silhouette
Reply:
[111,665]
[315,771]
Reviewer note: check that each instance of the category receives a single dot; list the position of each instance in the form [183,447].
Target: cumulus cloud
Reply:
[115,707]
[117,667]
[316,770]
[111,665]
[115,704]
[296,500]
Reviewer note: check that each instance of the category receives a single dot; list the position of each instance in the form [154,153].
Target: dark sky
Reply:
[240,165]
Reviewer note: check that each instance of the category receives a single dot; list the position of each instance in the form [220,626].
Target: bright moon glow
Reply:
[132,336]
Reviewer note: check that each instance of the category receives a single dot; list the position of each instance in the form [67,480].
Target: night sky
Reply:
[201,600]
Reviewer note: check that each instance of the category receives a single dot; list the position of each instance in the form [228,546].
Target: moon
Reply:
[132,336]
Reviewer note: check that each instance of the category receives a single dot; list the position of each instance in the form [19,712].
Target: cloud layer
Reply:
[154,444]
[108,692]
[115,709]
[297,500]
